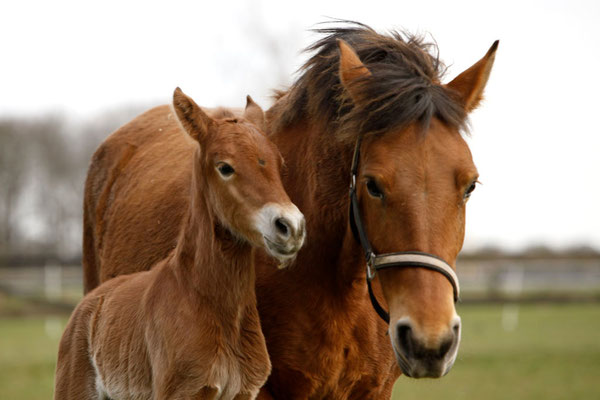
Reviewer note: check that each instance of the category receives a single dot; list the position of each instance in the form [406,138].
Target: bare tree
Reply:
[43,164]
[13,166]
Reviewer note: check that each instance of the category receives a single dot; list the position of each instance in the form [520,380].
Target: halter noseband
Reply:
[400,259]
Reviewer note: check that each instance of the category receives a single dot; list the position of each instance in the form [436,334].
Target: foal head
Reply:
[238,169]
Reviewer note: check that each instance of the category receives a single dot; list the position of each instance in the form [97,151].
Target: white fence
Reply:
[480,279]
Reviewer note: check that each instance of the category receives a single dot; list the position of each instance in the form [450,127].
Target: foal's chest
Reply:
[125,374]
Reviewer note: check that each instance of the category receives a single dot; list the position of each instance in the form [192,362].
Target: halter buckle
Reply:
[370,270]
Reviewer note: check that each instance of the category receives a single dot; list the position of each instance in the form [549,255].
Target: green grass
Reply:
[552,353]
[28,348]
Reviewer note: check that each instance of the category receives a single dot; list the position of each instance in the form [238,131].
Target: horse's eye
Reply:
[470,190]
[225,169]
[373,189]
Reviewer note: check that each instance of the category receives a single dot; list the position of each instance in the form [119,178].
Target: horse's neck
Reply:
[210,262]
[317,180]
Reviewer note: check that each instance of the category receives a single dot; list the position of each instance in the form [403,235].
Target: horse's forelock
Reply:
[403,87]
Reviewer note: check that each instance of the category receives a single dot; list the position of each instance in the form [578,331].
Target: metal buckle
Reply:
[370,271]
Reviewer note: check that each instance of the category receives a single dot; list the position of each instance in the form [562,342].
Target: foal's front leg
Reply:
[245,396]
[206,393]
[75,376]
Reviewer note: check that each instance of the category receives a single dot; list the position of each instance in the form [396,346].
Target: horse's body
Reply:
[338,337]
[189,328]
[416,172]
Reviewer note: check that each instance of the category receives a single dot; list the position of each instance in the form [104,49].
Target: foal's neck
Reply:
[209,260]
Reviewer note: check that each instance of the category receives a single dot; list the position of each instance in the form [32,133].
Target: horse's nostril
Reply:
[405,338]
[445,347]
[282,226]
[456,328]
[412,348]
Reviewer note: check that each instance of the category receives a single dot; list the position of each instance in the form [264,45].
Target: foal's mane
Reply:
[404,85]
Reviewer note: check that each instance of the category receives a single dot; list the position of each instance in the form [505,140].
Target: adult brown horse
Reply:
[414,175]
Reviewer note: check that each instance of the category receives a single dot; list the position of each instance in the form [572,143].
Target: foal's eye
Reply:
[373,189]
[225,169]
[470,190]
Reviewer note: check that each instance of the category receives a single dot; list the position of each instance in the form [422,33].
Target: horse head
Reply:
[413,175]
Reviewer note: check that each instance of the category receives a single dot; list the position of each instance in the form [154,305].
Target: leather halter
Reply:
[400,259]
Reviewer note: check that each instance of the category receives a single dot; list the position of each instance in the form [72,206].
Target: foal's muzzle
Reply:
[283,229]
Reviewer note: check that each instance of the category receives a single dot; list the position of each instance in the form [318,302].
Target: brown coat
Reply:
[189,327]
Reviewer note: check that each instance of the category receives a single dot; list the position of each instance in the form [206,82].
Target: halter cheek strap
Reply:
[390,260]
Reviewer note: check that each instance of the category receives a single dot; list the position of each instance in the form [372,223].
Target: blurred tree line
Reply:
[43,164]
[44,160]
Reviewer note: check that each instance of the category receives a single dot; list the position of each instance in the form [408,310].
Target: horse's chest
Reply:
[348,361]
[352,377]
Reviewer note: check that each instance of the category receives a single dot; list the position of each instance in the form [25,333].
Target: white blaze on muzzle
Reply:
[282,228]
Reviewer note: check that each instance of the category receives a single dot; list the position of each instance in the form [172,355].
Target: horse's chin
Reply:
[282,254]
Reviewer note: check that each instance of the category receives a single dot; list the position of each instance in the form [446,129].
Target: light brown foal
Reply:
[189,328]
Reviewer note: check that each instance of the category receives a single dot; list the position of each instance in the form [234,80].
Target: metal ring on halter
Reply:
[370,270]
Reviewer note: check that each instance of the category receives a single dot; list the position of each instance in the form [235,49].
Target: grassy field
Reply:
[531,352]
[28,349]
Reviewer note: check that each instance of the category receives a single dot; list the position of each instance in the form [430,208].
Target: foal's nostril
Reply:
[282,226]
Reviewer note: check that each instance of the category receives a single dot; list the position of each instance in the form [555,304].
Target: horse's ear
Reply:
[351,68]
[193,120]
[471,83]
[254,113]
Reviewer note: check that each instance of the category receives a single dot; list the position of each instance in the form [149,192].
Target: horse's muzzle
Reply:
[419,359]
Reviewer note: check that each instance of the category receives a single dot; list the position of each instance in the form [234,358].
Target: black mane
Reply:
[404,86]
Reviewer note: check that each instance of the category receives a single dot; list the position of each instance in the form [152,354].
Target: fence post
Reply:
[513,287]
[52,281]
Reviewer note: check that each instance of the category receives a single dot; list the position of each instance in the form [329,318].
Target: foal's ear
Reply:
[254,113]
[470,84]
[351,68]
[193,120]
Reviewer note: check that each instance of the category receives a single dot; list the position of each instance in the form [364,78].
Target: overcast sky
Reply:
[535,140]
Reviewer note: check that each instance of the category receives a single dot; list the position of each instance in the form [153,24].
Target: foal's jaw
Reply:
[282,228]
